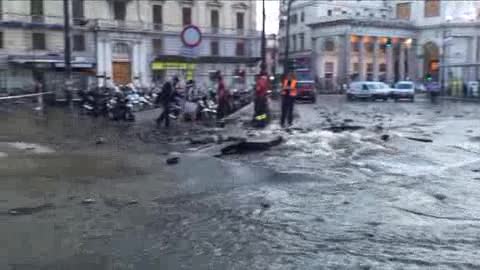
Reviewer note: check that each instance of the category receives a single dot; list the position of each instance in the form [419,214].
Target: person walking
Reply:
[167,95]
[222,96]
[289,93]
[260,117]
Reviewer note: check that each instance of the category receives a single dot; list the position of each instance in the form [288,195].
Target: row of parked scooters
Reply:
[120,103]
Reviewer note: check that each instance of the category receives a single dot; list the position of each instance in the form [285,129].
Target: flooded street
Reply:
[362,185]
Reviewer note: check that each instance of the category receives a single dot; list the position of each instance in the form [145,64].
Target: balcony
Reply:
[31,21]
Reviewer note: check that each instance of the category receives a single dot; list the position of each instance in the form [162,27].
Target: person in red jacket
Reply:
[261,94]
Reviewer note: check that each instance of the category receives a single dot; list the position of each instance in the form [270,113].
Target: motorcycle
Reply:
[94,101]
[120,108]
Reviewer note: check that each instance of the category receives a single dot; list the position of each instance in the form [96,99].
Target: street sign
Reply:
[191,36]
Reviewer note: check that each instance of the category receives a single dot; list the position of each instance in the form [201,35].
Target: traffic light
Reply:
[428,77]
[388,43]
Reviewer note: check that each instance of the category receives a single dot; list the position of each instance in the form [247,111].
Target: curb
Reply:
[473,100]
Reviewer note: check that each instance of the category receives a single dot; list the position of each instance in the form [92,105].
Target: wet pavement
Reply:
[401,190]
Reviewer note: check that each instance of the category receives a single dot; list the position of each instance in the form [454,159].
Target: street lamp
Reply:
[287,36]
[264,41]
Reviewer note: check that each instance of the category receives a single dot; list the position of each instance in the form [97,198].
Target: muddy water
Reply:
[322,200]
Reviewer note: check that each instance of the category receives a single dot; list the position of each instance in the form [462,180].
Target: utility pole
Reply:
[67,48]
[264,41]
[287,38]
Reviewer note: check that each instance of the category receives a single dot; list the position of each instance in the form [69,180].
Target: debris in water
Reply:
[385,137]
[469,131]
[476,170]
[251,145]
[378,128]
[89,201]
[343,128]
[173,160]
[29,210]
[420,139]
[439,197]
[100,140]
[265,205]
[347,120]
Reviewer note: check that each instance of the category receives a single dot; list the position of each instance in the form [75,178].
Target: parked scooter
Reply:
[120,108]
[94,101]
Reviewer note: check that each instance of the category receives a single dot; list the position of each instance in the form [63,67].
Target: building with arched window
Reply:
[122,41]
[386,40]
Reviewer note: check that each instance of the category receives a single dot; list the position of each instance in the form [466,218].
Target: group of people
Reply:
[169,93]
[288,92]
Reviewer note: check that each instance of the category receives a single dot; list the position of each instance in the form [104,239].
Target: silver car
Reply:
[404,90]
[368,90]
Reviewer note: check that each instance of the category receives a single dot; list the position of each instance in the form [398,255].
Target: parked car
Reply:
[368,90]
[306,91]
[381,91]
[404,90]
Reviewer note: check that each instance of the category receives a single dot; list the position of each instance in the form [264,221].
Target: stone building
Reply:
[123,41]
[385,40]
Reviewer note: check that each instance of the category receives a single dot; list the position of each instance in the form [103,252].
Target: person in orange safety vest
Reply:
[289,93]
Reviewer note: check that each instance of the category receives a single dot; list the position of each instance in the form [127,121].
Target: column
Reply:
[108,62]
[135,62]
[401,61]
[474,58]
[100,62]
[376,49]
[363,75]
[320,63]
[144,64]
[411,61]
[389,62]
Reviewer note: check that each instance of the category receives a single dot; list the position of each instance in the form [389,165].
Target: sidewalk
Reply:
[461,99]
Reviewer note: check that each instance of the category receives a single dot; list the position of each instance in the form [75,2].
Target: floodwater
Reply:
[321,200]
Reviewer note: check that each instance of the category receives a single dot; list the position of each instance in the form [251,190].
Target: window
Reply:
[356,67]
[214,48]
[403,11]
[36,10]
[240,21]
[157,45]
[432,8]
[38,41]
[1,40]
[214,19]
[77,9]
[329,45]
[293,19]
[240,49]
[119,10]
[79,43]
[302,41]
[369,47]
[329,12]
[294,43]
[369,68]
[356,46]
[383,67]
[302,16]
[187,16]
[329,67]
[344,12]
[157,14]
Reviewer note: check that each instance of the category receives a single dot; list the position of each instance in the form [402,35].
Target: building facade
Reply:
[385,40]
[122,41]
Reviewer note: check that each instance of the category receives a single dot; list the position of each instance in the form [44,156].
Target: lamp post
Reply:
[287,37]
[67,55]
[264,40]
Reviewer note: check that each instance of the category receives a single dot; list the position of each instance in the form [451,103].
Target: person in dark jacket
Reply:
[222,95]
[167,95]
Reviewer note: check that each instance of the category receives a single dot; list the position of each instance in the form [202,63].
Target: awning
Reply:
[50,60]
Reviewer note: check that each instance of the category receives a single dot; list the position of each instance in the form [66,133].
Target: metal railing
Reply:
[170,28]
[29,18]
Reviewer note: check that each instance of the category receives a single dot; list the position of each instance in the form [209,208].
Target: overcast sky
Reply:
[272,10]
